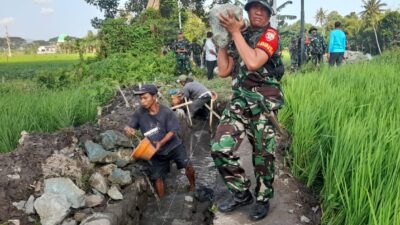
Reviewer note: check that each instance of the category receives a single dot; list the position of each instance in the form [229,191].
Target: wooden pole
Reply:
[8,42]
[188,111]
[181,105]
[123,96]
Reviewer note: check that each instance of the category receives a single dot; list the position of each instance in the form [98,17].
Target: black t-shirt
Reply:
[155,127]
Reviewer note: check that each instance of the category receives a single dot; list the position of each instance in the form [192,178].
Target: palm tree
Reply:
[371,12]
[320,18]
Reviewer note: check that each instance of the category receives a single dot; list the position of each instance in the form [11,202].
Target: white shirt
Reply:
[208,46]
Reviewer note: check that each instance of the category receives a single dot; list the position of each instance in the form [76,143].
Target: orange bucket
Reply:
[145,150]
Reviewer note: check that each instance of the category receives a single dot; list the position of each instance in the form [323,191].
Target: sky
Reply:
[44,19]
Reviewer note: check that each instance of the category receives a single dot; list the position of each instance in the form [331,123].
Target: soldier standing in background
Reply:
[197,50]
[182,51]
[317,46]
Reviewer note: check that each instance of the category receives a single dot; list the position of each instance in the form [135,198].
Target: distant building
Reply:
[47,49]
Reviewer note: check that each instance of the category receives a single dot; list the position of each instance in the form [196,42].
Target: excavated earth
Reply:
[22,176]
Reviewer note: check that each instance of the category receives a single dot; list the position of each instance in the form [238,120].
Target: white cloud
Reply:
[46,11]
[42,2]
[6,20]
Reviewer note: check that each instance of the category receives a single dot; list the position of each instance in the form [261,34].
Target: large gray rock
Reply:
[356,56]
[29,208]
[107,169]
[120,177]
[65,187]
[114,193]
[52,208]
[111,139]
[95,152]
[93,200]
[98,219]
[221,36]
[98,182]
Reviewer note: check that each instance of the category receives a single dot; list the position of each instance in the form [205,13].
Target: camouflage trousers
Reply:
[232,129]
[183,65]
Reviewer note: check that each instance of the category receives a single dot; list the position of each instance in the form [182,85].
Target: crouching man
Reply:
[160,125]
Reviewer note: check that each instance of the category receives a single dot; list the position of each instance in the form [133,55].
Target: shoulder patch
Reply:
[270,35]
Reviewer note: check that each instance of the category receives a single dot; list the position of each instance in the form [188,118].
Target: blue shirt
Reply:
[155,127]
[337,41]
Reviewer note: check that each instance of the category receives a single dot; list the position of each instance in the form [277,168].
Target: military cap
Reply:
[267,3]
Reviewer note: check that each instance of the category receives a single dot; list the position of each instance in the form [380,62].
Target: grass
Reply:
[27,66]
[43,111]
[345,124]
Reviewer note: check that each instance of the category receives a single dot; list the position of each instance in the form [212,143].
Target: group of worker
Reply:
[183,50]
[253,61]
[315,47]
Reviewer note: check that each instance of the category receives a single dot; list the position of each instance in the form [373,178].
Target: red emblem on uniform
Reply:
[269,36]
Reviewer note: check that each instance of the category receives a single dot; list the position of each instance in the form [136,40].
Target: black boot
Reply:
[238,199]
[259,211]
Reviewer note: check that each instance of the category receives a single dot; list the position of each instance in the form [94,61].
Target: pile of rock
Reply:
[356,56]
[89,183]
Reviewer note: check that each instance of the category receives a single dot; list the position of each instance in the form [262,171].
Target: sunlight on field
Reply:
[41,58]
[28,66]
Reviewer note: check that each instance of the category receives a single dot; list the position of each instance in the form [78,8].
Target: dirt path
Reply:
[290,203]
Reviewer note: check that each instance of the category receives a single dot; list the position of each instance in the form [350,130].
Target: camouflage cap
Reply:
[182,78]
[311,29]
[267,3]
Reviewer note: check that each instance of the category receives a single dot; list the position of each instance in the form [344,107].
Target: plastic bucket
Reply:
[145,150]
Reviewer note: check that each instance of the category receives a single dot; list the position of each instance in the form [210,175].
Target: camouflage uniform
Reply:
[317,48]
[183,65]
[197,51]
[253,93]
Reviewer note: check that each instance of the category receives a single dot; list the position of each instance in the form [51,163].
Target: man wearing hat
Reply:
[317,46]
[196,92]
[160,125]
[182,50]
[253,61]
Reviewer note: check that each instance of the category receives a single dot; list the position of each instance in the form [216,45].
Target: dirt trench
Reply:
[292,200]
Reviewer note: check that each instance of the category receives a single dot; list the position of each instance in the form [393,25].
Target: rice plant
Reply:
[345,124]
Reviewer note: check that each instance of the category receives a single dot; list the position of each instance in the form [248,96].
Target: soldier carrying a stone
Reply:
[253,61]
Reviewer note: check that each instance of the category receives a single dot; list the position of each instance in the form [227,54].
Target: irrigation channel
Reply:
[292,204]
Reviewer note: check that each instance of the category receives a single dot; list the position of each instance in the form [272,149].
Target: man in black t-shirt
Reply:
[160,125]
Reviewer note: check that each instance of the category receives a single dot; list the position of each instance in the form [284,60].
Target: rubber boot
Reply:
[259,211]
[238,199]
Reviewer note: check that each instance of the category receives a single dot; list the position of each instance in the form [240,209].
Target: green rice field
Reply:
[27,66]
[345,124]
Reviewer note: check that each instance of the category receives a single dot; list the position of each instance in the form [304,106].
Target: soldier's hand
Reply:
[230,23]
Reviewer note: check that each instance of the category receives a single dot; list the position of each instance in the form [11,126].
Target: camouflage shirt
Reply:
[317,45]
[261,86]
[183,45]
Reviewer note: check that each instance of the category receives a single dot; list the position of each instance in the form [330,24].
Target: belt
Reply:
[205,94]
